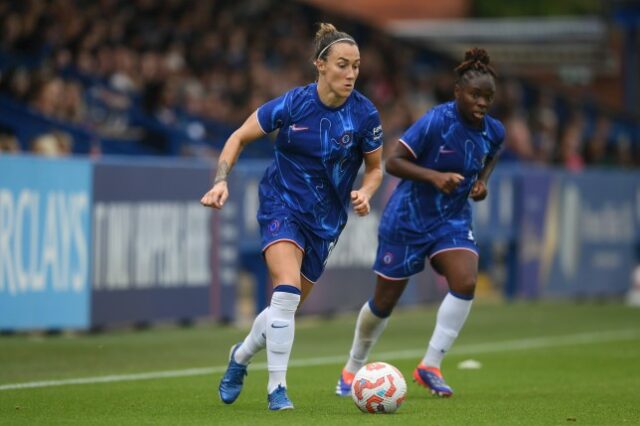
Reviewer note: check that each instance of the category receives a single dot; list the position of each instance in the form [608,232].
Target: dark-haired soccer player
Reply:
[326,130]
[443,159]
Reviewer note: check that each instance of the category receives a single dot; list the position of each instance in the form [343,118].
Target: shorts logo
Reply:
[470,235]
[274,226]
[387,258]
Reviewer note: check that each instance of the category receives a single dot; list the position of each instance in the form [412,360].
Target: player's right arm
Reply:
[401,163]
[245,134]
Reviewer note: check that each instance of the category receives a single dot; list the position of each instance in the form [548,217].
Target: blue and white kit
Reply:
[420,221]
[305,192]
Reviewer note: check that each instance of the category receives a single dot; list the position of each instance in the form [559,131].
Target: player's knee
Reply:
[384,304]
[465,286]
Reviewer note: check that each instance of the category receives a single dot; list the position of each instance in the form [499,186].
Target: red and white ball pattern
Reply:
[378,388]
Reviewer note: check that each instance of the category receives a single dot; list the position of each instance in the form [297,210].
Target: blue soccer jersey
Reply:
[441,141]
[318,152]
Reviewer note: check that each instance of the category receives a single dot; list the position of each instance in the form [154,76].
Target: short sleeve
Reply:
[372,132]
[416,137]
[273,114]
[496,143]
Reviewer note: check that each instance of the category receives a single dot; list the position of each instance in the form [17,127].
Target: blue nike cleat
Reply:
[231,383]
[278,400]
[343,388]
[431,378]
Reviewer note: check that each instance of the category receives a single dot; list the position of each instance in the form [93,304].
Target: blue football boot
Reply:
[431,378]
[343,388]
[231,383]
[278,400]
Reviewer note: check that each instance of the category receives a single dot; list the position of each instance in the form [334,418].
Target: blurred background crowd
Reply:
[175,77]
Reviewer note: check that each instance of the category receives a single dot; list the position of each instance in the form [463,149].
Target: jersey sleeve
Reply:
[273,114]
[496,144]
[416,138]
[372,132]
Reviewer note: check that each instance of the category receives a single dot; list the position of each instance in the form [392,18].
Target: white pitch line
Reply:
[508,345]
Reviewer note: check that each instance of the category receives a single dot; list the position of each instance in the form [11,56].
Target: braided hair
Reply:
[476,61]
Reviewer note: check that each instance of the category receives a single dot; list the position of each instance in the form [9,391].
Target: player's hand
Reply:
[216,196]
[447,182]
[360,203]
[479,191]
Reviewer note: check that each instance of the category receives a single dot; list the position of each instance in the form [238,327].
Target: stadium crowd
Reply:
[174,77]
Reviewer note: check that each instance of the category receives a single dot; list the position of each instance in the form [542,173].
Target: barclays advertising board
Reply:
[45,242]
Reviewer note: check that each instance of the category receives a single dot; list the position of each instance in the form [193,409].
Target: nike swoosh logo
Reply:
[443,150]
[274,325]
[298,129]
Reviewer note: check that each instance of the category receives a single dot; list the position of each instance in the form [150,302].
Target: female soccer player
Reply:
[443,158]
[326,129]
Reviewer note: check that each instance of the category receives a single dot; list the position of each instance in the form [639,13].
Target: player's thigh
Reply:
[387,293]
[284,259]
[459,266]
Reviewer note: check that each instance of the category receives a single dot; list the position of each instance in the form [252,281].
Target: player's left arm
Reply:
[479,191]
[370,182]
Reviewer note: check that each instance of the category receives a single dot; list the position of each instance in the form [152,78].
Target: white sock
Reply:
[369,327]
[255,341]
[280,332]
[452,314]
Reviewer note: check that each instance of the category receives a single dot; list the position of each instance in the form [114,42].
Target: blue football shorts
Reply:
[277,223]
[400,261]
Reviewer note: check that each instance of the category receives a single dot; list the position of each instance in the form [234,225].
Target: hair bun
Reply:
[477,54]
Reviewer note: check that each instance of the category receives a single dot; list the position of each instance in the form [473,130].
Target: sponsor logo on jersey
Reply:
[377,133]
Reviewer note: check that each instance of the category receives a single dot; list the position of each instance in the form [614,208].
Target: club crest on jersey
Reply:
[346,139]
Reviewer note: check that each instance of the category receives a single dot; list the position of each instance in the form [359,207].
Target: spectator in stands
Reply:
[16,83]
[48,96]
[544,128]
[596,145]
[518,144]
[52,144]
[115,49]
[571,142]
[8,141]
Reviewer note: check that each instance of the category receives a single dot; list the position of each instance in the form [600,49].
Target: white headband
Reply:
[332,43]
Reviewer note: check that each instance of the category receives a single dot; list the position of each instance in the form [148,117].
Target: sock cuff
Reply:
[377,312]
[286,288]
[460,296]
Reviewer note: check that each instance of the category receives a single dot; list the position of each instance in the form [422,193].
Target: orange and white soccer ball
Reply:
[378,388]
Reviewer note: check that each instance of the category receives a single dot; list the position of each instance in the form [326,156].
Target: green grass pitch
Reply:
[542,364]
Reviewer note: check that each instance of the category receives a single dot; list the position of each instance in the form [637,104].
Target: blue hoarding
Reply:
[154,252]
[45,242]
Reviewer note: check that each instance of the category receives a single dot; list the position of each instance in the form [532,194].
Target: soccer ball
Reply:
[378,388]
